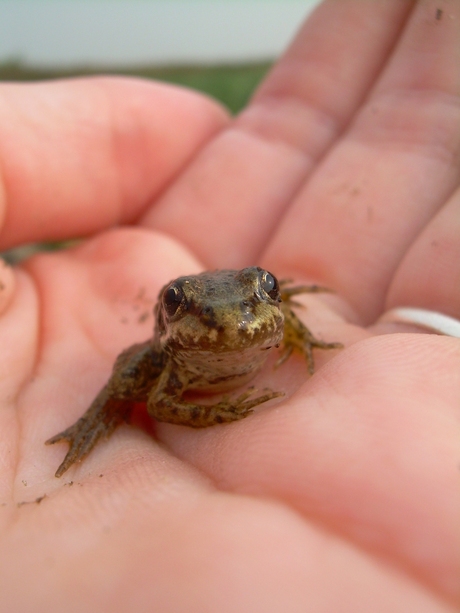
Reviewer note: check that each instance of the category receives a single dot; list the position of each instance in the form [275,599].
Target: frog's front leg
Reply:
[165,403]
[134,372]
[296,334]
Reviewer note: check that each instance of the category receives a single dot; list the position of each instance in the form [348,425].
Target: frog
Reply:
[213,333]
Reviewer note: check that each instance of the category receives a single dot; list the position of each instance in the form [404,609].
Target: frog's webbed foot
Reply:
[134,372]
[195,415]
[296,334]
[99,421]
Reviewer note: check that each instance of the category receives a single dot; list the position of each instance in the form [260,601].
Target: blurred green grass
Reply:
[232,85]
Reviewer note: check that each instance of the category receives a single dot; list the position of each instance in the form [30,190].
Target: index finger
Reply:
[80,155]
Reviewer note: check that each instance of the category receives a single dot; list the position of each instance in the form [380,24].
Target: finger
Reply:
[369,449]
[80,155]
[148,529]
[230,200]
[394,168]
[429,275]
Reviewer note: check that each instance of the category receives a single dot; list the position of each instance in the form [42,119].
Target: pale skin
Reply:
[343,171]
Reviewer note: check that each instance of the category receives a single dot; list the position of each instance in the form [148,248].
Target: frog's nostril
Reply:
[247,316]
[207,317]
[246,306]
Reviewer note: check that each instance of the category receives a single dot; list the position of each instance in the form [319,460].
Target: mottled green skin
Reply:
[213,333]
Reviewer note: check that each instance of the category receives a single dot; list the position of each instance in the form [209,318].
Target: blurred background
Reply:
[221,47]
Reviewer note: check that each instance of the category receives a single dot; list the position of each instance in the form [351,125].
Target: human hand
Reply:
[343,171]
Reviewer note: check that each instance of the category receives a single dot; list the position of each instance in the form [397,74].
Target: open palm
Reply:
[344,171]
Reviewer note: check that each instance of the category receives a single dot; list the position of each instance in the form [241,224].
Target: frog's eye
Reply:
[269,284]
[172,299]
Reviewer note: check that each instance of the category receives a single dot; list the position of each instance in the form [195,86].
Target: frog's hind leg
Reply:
[99,421]
[296,334]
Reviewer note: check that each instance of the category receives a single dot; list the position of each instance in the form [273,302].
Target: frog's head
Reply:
[221,311]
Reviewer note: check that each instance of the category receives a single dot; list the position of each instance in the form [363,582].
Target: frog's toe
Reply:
[244,396]
[82,437]
[62,436]
[99,421]
[323,345]
[244,403]
[225,416]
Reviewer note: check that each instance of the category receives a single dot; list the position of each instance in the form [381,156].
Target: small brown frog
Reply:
[213,333]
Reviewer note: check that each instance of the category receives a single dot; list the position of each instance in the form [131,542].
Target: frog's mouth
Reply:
[258,328]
